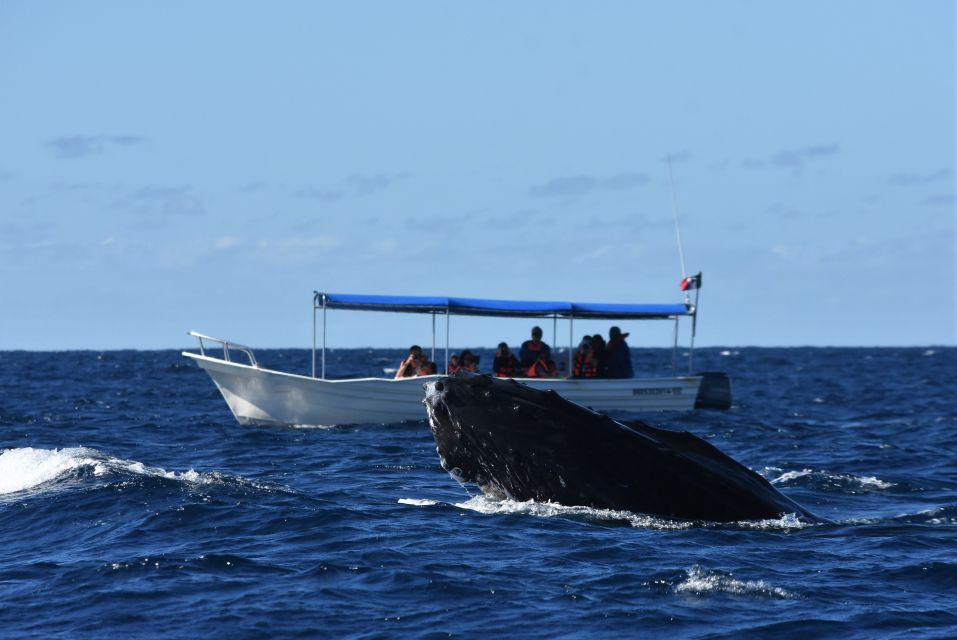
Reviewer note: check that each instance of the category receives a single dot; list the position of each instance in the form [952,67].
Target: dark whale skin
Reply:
[525,444]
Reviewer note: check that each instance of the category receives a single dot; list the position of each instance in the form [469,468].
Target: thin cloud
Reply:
[227,242]
[366,184]
[577,186]
[320,194]
[782,211]
[944,199]
[252,186]
[911,179]
[794,159]
[81,146]
[162,201]
[357,185]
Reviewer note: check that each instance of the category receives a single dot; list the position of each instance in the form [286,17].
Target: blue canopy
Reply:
[502,308]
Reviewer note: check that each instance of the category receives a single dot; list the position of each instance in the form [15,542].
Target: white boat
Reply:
[261,396]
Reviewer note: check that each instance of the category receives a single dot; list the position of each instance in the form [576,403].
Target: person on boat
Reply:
[600,350]
[585,364]
[528,354]
[454,364]
[542,368]
[410,366]
[505,364]
[425,366]
[619,355]
[469,361]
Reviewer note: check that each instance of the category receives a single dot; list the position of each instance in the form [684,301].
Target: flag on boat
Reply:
[691,282]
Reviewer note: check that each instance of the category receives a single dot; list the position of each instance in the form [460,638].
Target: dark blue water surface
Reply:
[133,505]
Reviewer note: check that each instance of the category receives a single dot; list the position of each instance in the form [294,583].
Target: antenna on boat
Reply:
[674,203]
[694,282]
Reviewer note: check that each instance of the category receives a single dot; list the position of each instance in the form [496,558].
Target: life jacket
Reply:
[584,367]
[426,370]
[528,354]
[538,370]
[452,368]
[505,366]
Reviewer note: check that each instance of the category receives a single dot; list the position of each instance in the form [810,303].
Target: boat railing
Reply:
[226,346]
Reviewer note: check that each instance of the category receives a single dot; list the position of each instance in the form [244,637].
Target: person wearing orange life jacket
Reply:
[469,361]
[505,365]
[542,368]
[585,364]
[453,364]
[425,367]
[528,354]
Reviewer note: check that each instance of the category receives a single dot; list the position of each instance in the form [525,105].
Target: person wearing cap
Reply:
[528,354]
[618,364]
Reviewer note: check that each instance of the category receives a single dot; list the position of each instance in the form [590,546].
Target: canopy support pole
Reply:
[446,340]
[674,352]
[571,340]
[323,338]
[433,337]
[555,330]
[314,295]
[694,327]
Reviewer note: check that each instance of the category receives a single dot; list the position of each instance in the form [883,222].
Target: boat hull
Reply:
[263,396]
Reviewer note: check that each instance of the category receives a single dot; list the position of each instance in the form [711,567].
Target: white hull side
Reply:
[264,396]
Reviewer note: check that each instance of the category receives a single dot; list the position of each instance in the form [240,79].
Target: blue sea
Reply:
[133,505]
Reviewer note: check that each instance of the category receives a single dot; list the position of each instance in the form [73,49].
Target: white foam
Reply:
[487,505]
[701,582]
[418,502]
[869,482]
[792,475]
[322,427]
[787,521]
[26,467]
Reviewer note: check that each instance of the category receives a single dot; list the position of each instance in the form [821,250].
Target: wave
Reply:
[415,502]
[825,480]
[495,506]
[27,468]
[701,582]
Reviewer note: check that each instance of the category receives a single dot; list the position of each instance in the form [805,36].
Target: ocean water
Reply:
[133,505]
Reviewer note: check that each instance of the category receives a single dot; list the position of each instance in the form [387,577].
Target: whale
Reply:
[520,443]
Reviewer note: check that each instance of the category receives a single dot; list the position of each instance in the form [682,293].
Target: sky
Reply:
[177,166]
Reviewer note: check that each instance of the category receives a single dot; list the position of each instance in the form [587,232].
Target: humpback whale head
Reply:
[510,440]
[526,444]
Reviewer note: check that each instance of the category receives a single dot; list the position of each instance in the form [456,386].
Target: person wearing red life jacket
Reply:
[425,367]
[505,364]
[469,361]
[528,354]
[453,364]
[585,363]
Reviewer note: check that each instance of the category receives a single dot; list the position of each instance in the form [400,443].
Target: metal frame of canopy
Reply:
[504,309]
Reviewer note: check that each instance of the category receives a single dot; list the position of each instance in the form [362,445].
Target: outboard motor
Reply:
[714,392]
